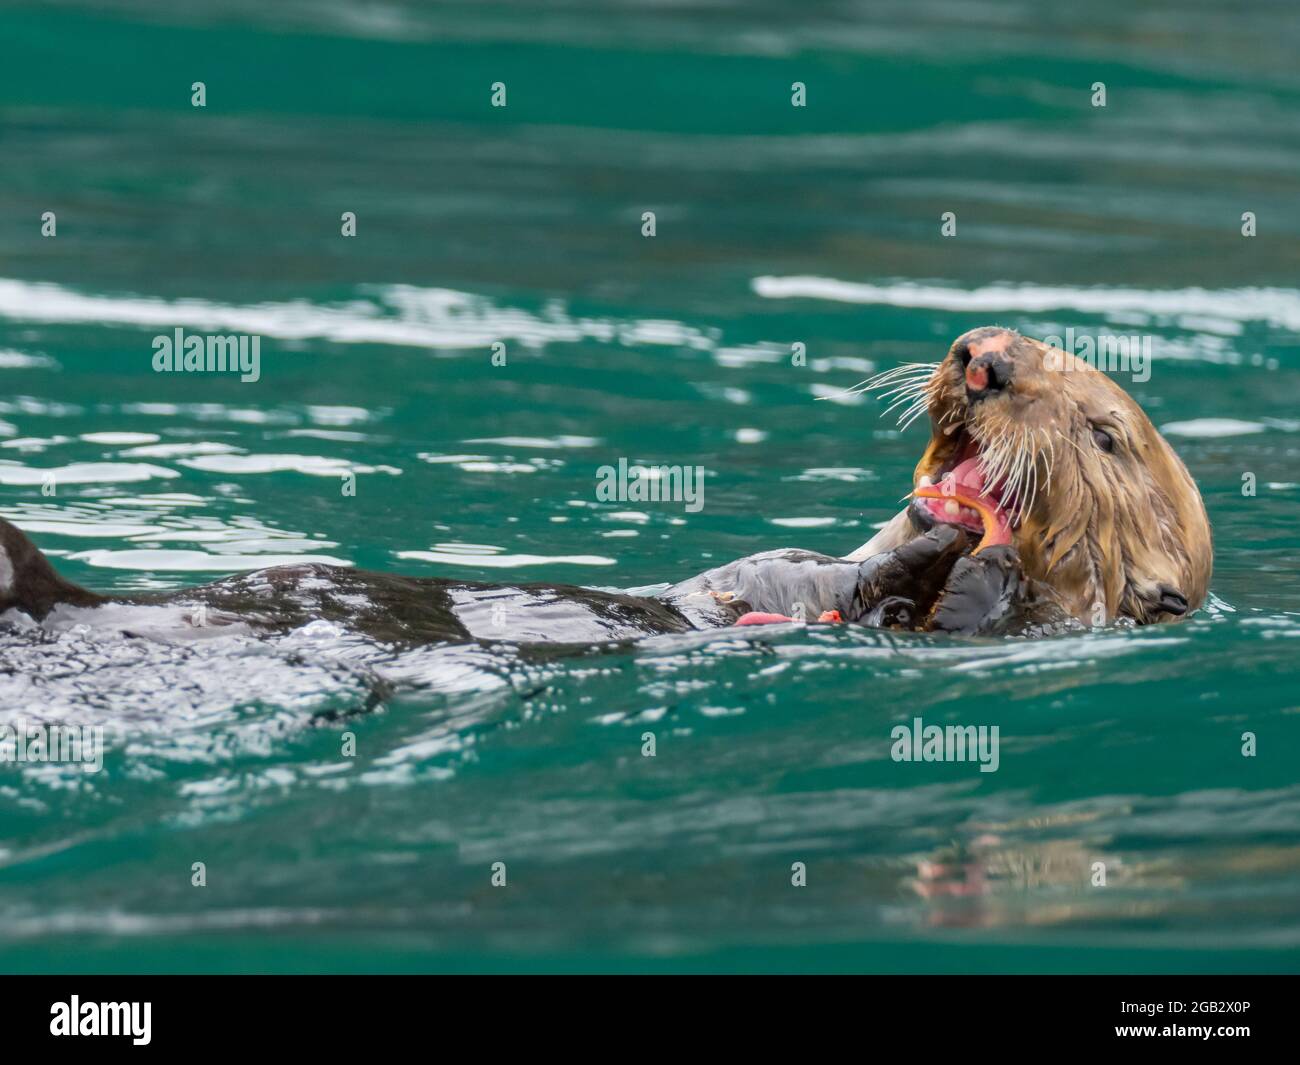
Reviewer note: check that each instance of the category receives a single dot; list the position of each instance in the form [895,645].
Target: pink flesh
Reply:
[756,617]
[967,479]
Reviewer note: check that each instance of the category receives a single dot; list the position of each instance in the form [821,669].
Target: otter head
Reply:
[1033,447]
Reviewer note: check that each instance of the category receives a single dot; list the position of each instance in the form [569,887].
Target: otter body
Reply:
[1045,501]
[931,582]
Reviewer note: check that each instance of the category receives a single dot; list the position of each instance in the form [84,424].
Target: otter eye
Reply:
[1103,439]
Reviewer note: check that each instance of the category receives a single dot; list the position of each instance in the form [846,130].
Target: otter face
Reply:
[1033,447]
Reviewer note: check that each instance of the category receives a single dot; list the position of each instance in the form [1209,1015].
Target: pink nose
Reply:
[988,372]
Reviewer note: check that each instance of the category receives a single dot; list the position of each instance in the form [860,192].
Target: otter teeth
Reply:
[926,481]
[952,508]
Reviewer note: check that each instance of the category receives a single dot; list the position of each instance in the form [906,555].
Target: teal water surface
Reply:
[522,226]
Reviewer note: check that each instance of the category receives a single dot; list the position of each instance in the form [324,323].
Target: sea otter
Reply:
[1045,501]
[1033,448]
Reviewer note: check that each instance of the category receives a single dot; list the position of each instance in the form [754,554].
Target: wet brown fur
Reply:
[1112,533]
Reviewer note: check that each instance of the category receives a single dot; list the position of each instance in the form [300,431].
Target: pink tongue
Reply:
[968,479]
[968,475]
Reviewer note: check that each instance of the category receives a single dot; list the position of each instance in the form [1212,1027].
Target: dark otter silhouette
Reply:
[930,583]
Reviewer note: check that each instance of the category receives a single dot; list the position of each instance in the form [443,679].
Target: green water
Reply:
[522,225]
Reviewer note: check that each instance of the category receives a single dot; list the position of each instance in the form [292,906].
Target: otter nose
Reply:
[987,374]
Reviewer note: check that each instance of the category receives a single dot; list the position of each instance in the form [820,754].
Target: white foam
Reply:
[20,360]
[120,438]
[1279,307]
[403,315]
[84,473]
[313,465]
[1210,428]
[505,561]
[195,561]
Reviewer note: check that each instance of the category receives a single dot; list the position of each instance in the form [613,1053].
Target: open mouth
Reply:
[956,494]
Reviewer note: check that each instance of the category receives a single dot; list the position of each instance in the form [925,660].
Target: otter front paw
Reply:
[899,586]
[981,594]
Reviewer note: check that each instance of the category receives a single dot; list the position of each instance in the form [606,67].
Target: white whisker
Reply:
[910,388]
[905,375]
[908,398]
[910,415]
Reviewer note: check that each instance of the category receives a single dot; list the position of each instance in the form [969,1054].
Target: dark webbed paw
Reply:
[981,594]
[897,588]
